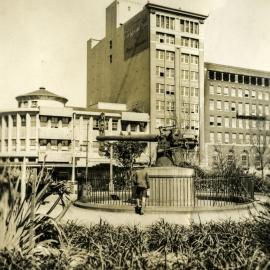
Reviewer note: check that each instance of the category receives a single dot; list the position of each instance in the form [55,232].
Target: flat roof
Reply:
[176,11]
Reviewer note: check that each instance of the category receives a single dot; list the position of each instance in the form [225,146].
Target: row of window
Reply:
[189,58]
[165,22]
[189,27]
[237,78]
[160,106]
[160,72]
[160,122]
[241,108]
[190,42]
[234,138]
[160,89]
[160,55]
[189,91]
[190,125]
[165,38]
[186,26]
[22,120]
[226,91]
[192,75]
[244,158]
[26,104]
[190,108]
[227,122]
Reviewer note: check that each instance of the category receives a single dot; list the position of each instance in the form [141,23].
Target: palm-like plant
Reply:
[21,224]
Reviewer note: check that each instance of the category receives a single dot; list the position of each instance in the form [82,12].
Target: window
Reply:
[43,120]
[186,107]
[253,94]
[247,109]
[233,107]
[65,121]
[160,71]
[110,58]
[110,44]
[233,122]
[257,162]
[219,105]
[32,144]
[260,96]
[212,121]
[226,138]
[240,123]
[194,43]
[247,139]
[13,144]
[211,90]
[160,54]
[266,109]
[159,122]
[170,39]
[170,89]
[194,59]
[194,108]
[184,58]
[211,105]
[160,37]
[194,75]
[22,144]
[23,120]
[247,124]
[54,144]
[240,92]
[185,91]
[194,92]
[219,121]
[240,108]
[170,56]
[253,122]
[133,127]
[34,104]
[189,27]
[165,22]
[184,42]
[233,92]
[219,137]
[54,122]
[212,137]
[218,90]
[160,88]
[246,93]
[244,160]
[253,109]
[114,124]
[266,96]
[160,105]
[234,138]
[185,74]
[170,106]
[241,138]
[226,91]
[227,122]
[170,72]
[226,106]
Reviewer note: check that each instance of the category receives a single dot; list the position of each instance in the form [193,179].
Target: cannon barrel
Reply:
[140,138]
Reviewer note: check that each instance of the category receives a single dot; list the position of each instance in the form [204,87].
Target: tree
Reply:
[125,153]
[260,148]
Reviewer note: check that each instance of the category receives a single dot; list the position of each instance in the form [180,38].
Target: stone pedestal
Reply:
[171,186]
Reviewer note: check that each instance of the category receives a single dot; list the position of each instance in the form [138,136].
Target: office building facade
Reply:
[237,120]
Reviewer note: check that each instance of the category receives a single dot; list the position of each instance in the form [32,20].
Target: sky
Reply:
[43,42]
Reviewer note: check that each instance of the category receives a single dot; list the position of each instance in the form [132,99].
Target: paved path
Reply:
[87,216]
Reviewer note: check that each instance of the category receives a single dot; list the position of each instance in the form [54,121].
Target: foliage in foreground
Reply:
[223,245]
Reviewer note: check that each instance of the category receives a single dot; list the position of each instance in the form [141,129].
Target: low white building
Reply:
[44,128]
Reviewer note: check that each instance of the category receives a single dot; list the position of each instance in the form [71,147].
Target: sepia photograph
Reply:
[134,134]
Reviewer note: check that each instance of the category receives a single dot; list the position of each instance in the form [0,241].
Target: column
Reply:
[27,136]
[18,129]
[110,125]
[3,134]
[9,132]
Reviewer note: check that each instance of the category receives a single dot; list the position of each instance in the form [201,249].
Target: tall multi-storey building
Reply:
[237,102]
[43,128]
[152,59]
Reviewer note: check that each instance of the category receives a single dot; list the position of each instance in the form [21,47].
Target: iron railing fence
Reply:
[170,191]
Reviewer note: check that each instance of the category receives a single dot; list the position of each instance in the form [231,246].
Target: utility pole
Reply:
[87,148]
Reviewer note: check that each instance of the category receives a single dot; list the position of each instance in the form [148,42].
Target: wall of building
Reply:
[117,80]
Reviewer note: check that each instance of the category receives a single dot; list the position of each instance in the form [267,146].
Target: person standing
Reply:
[142,185]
